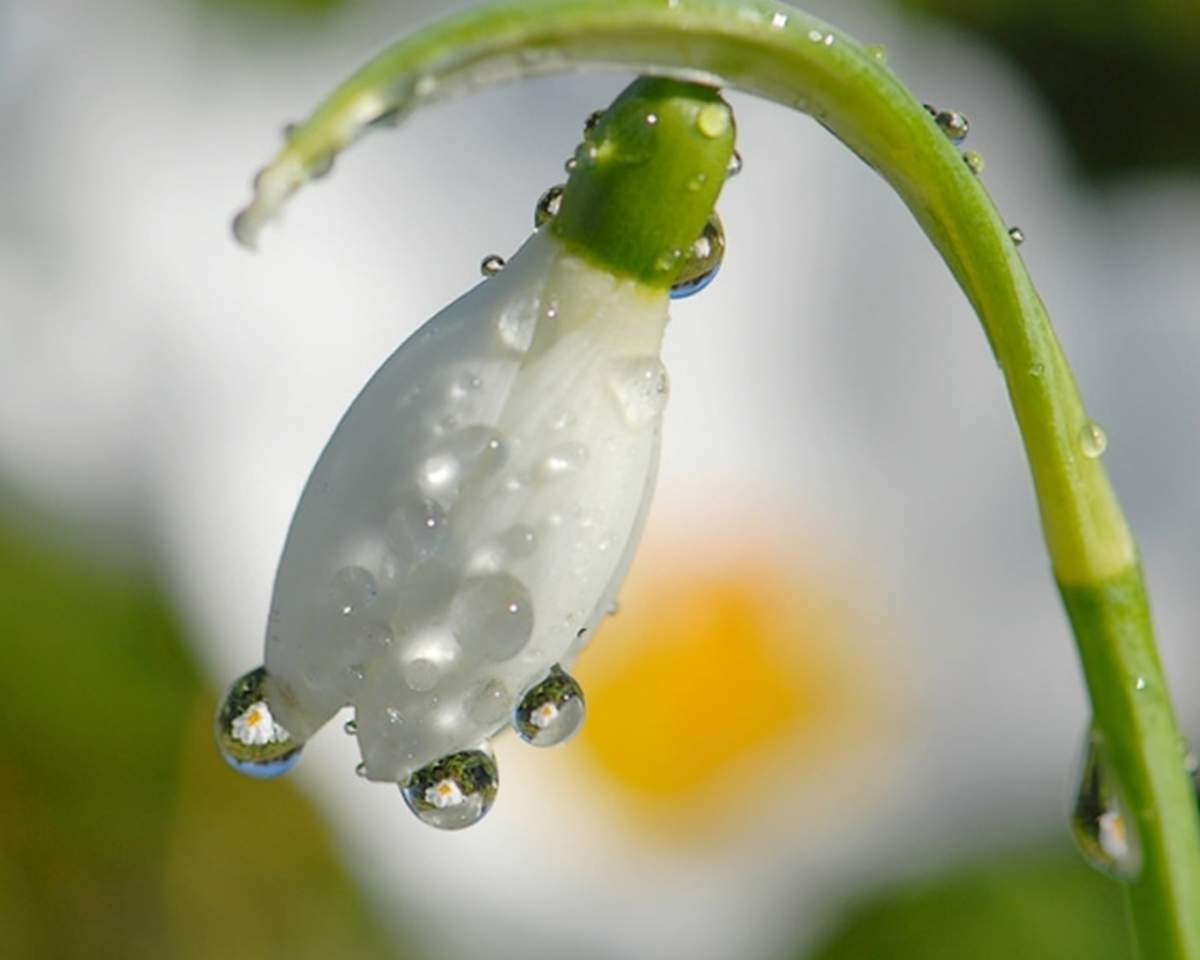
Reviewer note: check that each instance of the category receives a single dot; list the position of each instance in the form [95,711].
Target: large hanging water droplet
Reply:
[548,206]
[492,616]
[703,260]
[1100,824]
[247,735]
[1093,441]
[550,712]
[453,792]
[641,388]
[953,124]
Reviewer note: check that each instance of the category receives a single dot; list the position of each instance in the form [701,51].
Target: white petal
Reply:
[477,506]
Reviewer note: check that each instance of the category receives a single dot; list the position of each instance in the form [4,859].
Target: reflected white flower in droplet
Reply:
[444,793]
[1113,835]
[255,726]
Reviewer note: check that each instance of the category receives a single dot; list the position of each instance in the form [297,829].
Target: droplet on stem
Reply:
[703,260]
[953,124]
[1093,441]
[1100,823]
[491,265]
[1017,235]
[548,206]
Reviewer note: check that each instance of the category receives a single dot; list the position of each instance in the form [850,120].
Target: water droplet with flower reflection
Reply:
[453,792]
[550,712]
[1100,823]
[703,260]
[249,738]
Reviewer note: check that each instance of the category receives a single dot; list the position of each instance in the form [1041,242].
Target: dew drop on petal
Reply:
[641,388]
[350,727]
[492,616]
[488,702]
[563,460]
[353,590]
[416,528]
[1093,441]
[491,265]
[1100,823]
[1017,235]
[421,675]
[453,792]
[249,738]
[550,712]
[548,206]
[516,326]
[593,119]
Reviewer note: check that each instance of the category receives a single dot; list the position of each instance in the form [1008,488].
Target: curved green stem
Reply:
[783,54]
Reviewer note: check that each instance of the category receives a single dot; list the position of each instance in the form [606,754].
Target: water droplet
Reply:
[491,265]
[562,461]
[550,712]
[247,735]
[713,120]
[548,206]
[651,119]
[1036,370]
[953,124]
[350,727]
[1093,441]
[641,387]
[453,792]
[492,616]
[1017,235]
[592,120]
[488,702]
[1139,684]
[570,165]
[421,675]
[735,165]
[516,327]
[438,476]
[704,259]
[816,36]
[321,165]
[353,590]
[361,770]
[779,20]
[519,541]
[878,53]
[613,608]
[696,182]
[1100,823]
[974,162]
[416,528]
[425,85]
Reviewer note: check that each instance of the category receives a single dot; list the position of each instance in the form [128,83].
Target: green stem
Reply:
[788,56]
[646,179]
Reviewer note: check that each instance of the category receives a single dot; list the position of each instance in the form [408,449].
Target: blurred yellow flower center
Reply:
[718,684]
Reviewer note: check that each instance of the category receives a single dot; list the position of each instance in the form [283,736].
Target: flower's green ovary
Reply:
[788,56]
[631,206]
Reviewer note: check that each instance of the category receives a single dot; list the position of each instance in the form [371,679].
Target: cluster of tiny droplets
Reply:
[493,607]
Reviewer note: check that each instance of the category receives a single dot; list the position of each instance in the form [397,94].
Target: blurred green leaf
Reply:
[122,833]
[1120,76]
[1039,906]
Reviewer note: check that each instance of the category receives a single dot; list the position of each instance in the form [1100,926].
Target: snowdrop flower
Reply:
[468,524]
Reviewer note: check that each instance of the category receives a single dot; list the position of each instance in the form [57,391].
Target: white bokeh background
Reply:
[171,391]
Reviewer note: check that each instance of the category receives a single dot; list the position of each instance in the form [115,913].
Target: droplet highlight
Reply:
[453,792]
[552,711]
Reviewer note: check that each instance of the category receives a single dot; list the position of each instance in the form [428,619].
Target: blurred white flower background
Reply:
[839,660]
